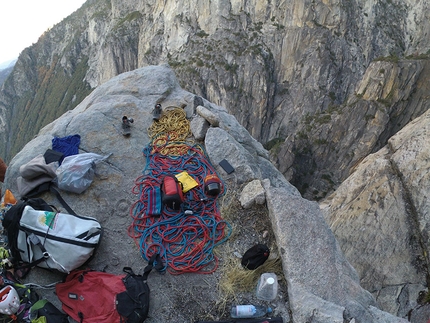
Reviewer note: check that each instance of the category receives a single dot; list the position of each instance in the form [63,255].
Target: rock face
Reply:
[380,218]
[322,285]
[296,74]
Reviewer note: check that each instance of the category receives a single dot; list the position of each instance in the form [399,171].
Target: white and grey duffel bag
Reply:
[56,240]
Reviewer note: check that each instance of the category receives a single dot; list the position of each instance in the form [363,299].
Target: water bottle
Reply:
[249,311]
[267,287]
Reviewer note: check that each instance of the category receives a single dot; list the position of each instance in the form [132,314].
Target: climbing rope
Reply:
[174,122]
[170,132]
[185,238]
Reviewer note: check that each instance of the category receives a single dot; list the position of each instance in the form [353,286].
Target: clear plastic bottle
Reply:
[249,311]
[267,287]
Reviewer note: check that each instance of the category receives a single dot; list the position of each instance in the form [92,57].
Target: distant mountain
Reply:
[7,64]
[5,70]
[320,86]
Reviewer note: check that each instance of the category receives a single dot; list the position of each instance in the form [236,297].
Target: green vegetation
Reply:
[56,93]
[202,34]
[319,141]
[418,56]
[231,67]
[258,26]
[279,26]
[130,17]
[274,143]
[369,117]
[322,118]
[391,58]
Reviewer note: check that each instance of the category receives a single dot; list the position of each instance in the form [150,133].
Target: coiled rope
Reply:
[185,241]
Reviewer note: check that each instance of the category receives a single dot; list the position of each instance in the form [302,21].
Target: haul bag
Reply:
[56,240]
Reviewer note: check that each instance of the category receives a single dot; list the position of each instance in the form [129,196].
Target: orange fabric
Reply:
[9,198]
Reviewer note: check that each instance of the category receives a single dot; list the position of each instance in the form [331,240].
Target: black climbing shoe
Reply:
[126,125]
[156,113]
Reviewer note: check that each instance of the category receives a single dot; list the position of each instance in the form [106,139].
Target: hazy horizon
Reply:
[22,22]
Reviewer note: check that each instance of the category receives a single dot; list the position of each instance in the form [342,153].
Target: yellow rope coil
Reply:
[172,121]
[169,131]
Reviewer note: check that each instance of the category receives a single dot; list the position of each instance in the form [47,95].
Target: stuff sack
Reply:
[255,256]
[172,194]
[76,172]
[92,296]
[49,239]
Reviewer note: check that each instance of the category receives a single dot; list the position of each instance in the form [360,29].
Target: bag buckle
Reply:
[34,239]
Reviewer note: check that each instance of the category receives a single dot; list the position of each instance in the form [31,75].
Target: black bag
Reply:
[255,256]
[44,308]
[133,303]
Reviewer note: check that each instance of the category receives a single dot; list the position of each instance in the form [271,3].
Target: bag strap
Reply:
[45,254]
[52,189]
[48,186]
[154,262]
[159,266]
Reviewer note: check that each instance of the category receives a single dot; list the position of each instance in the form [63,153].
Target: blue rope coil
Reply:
[184,241]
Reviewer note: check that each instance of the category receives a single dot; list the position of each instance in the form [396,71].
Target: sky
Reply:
[22,22]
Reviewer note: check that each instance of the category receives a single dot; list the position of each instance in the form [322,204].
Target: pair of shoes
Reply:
[126,125]
[156,113]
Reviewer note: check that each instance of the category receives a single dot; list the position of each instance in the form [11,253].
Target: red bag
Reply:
[172,194]
[89,296]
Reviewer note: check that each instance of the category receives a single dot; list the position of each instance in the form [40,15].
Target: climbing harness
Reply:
[184,238]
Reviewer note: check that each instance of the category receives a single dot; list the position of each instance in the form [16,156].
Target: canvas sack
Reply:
[60,241]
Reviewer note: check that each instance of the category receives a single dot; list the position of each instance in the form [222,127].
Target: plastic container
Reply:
[249,311]
[267,287]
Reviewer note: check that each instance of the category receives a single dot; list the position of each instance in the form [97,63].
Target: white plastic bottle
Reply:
[267,287]
[249,311]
